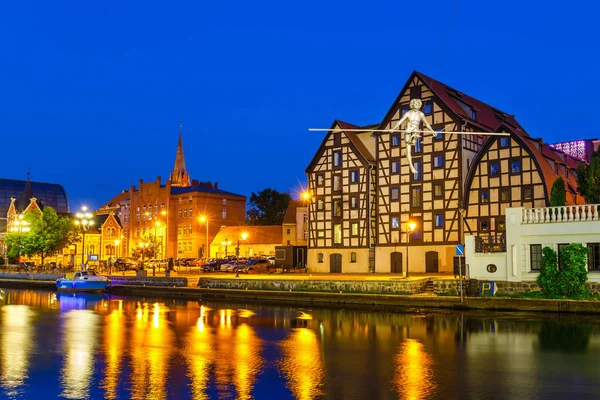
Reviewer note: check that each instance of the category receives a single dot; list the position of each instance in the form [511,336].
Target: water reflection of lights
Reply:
[80,336]
[152,346]
[17,344]
[245,313]
[414,377]
[114,335]
[302,364]
[199,355]
[247,360]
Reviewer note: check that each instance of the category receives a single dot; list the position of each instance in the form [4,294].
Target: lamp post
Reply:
[117,242]
[237,249]
[20,226]
[225,243]
[207,250]
[410,227]
[144,246]
[84,221]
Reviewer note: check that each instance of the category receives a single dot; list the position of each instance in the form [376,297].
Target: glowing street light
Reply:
[84,221]
[244,236]
[144,246]
[410,228]
[20,226]
[226,243]
[204,219]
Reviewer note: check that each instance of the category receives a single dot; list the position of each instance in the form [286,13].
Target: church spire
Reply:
[179,176]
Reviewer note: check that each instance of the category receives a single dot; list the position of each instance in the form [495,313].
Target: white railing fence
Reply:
[583,212]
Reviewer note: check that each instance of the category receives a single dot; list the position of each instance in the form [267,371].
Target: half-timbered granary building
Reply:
[364,193]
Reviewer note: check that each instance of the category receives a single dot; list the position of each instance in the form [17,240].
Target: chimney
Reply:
[158,180]
[195,182]
[141,182]
[216,185]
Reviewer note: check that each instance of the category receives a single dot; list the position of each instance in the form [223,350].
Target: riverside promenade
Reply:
[386,292]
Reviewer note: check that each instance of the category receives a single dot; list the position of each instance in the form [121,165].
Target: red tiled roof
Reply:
[290,213]
[487,115]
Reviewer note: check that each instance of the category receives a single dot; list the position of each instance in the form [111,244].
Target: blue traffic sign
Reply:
[460,250]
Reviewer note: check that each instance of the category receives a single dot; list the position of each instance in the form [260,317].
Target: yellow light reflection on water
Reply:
[302,364]
[114,335]
[199,356]
[414,377]
[79,343]
[248,362]
[152,343]
[17,343]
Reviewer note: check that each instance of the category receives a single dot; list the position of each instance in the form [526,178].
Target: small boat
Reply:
[83,281]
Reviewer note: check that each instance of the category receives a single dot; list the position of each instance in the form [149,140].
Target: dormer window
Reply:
[473,115]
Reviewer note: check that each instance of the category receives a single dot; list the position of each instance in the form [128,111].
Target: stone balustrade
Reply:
[576,213]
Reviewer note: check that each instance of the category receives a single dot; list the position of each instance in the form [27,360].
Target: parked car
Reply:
[214,265]
[271,259]
[124,264]
[258,265]
[231,266]
[196,262]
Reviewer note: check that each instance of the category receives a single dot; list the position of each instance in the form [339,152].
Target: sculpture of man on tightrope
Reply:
[413,127]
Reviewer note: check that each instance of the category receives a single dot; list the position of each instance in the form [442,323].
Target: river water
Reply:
[100,346]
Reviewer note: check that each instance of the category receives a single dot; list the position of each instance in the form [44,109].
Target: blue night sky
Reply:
[93,92]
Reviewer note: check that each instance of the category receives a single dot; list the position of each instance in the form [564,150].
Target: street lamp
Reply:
[144,246]
[117,242]
[20,226]
[225,243]
[237,249]
[84,221]
[410,227]
[207,250]
[306,196]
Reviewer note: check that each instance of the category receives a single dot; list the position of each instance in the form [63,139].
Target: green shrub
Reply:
[558,193]
[573,273]
[548,277]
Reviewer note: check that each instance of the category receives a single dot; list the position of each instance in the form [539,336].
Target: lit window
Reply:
[190,213]
[179,231]
[320,180]
[224,214]
[515,166]
[179,214]
[438,161]
[395,140]
[185,229]
[337,233]
[337,158]
[395,193]
[224,202]
[395,167]
[190,229]
[320,234]
[439,220]
[354,229]
[190,200]
[415,197]
[353,176]
[320,205]
[353,257]
[354,202]
[395,222]
[185,213]
[438,190]
[337,208]
[337,182]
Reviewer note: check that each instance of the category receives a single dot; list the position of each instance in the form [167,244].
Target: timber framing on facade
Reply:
[363,192]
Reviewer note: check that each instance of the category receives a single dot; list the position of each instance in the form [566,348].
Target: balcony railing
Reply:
[491,243]
[585,212]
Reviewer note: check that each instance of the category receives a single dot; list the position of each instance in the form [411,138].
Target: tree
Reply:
[573,272]
[48,234]
[588,179]
[268,207]
[558,194]
[548,277]
[150,252]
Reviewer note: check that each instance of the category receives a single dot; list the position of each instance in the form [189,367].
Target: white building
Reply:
[518,257]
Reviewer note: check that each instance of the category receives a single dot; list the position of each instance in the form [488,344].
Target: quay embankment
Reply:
[391,294]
